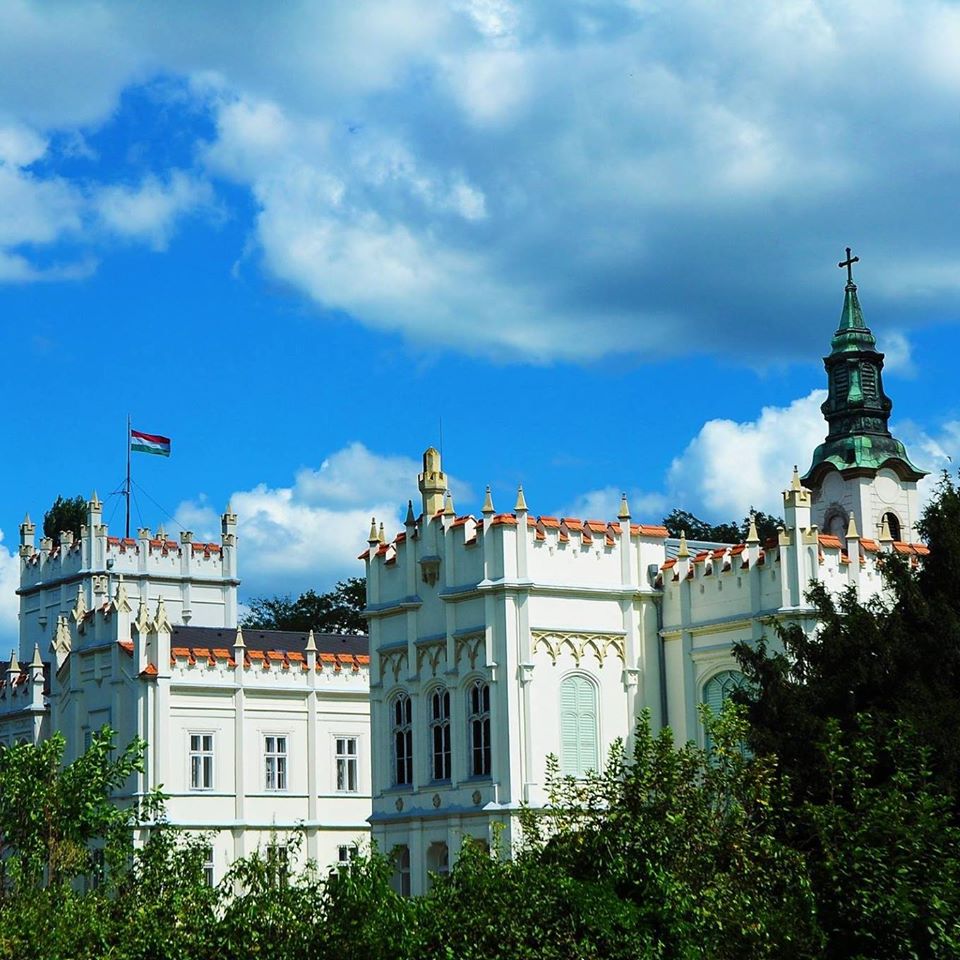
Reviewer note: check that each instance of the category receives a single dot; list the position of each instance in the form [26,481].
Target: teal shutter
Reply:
[579,749]
[717,690]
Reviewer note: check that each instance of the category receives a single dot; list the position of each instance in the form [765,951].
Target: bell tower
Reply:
[860,468]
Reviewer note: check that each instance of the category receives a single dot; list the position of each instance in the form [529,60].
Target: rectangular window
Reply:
[275,759]
[346,854]
[278,863]
[347,764]
[208,876]
[201,761]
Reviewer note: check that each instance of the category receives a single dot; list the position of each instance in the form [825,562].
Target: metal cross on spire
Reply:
[848,263]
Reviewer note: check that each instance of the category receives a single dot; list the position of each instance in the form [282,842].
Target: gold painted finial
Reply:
[624,513]
[487,503]
[852,533]
[373,537]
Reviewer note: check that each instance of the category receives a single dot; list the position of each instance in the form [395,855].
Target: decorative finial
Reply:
[311,642]
[885,534]
[411,519]
[682,550]
[852,533]
[161,532]
[795,483]
[238,643]
[373,538]
[381,536]
[26,520]
[448,510]
[14,666]
[521,504]
[848,263]
[36,662]
[624,513]
[752,535]
[160,619]
[487,507]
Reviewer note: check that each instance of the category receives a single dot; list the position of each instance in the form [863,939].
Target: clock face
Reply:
[887,486]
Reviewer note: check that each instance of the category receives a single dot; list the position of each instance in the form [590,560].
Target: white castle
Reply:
[493,641]
[497,640]
[251,734]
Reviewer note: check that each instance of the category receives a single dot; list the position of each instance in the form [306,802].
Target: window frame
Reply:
[345,761]
[582,768]
[280,758]
[201,754]
[401,739]
[478,723]
[441,735]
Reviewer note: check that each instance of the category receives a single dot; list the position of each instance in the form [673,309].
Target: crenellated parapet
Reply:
[197,580]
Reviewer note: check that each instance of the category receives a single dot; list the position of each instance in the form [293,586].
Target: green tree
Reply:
[896,657]
[65,515]
[51,813]
[337,611]
[882,847]
[682,521]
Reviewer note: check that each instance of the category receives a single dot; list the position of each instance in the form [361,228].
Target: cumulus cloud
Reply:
[9,602]
[604,504]
[538,181]
[308,534]
[148,212]
[730,466]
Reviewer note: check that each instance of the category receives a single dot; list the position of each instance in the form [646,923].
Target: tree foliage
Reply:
[337,611]
[896,658]
[51,813]
[64,515]
[681,521]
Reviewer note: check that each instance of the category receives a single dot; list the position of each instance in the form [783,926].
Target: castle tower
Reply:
[432,482]
[860,469]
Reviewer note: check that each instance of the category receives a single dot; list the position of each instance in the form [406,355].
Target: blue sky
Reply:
[598,241]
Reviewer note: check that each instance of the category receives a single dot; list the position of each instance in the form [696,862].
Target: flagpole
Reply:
[127,494]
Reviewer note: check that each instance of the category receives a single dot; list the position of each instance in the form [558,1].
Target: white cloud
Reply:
[537,181]
[148,212]
[309,533]
[898,354]
[604,504]
[729,467]
[9,602]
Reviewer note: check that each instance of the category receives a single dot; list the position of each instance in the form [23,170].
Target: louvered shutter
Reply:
[579,749]
[717,691]
[569,741]
[587,704]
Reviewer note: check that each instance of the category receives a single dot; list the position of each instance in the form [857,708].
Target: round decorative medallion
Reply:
[399,804]
[886,486]
[477,797]
[436,799]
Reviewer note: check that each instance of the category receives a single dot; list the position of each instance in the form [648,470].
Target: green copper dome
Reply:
[856,409]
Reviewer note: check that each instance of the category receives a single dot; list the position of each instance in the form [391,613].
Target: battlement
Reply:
[197,580]
[455,550]
[95,551]
[204,655]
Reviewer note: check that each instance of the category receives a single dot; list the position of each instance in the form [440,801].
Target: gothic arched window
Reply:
[478,722]
[402,728]
[894,524]
[717,690]
[579,738]
[440,734]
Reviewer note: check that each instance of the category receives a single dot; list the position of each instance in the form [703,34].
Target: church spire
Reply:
[857,409]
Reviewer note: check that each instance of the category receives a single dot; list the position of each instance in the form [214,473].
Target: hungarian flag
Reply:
[149,443]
